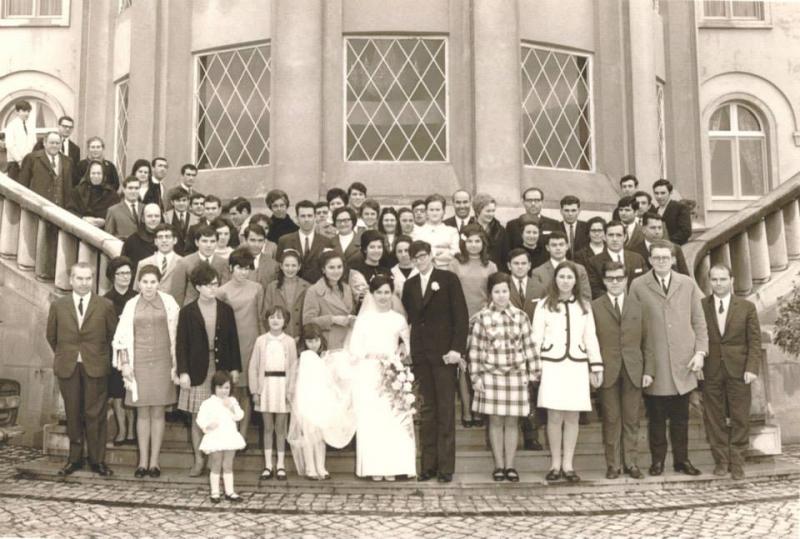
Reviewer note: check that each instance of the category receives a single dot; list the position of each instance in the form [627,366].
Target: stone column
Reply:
[759,252]
[297,97]
[791,219]
[776,240]
[643,91]
[26,250]
[740,257]
[144,73]
[9,229]
[496,50]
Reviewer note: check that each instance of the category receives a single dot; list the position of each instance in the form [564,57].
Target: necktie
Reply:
[521,290]
[25,127]
[664,286]
[721,307]
[134,213]
[163,265]
[616,306]
[306,247]
[571,237]
[80,306]
[180,221]
[53,162]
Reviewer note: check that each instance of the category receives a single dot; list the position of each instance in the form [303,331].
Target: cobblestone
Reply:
[33,508]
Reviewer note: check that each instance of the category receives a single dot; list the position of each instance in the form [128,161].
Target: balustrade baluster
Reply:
[722,255]
[791,219]
[740,257]
[103,284]
[776,240]
[759,252]
[26,248]
[9,232]
[701,275]
[67,255]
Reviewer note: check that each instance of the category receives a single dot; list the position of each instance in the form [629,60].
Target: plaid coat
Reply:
[502,356]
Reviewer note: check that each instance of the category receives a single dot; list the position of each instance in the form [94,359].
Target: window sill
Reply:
[34,22]
[734,24]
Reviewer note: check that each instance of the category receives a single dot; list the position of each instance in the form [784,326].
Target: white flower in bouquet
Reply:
[410,398]
[402,376]
[407,386]
[397,385]
[410,376]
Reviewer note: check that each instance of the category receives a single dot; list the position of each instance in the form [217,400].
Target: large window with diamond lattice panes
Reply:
[396,99]
[556,109]
[232,107]
[121,125]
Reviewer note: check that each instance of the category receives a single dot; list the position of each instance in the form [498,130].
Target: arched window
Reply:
[738,152]
[43,116]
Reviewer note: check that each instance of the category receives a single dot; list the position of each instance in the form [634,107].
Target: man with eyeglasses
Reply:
[66,125]
[166,260]
[676,344]
[533,201]
[619,323]
[206,253]
[653,230]
[634,264]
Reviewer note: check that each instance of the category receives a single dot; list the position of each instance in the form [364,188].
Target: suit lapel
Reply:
[429,290]
[91,304]
[72,313]
[711,314]
[733,304]
[655,285]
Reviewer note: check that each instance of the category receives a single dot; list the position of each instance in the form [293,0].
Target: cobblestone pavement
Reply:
[32,508]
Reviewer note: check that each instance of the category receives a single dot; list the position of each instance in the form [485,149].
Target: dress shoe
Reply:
[657,468]
[70,468]
[721,470]
[634,472]
[426,475]
[445,477]
[155,472]
[533,445]
[215,499]
[737,472]
[612,473]
[102,469]
[687,468]
[235,498]
[140,473]
[196,471]
[571,476]
[553,475]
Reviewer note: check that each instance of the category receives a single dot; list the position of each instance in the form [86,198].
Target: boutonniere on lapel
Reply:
[434,286]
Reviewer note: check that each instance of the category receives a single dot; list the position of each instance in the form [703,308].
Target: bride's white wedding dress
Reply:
[385,442]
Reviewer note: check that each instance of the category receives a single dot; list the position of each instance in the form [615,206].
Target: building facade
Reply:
[412,97]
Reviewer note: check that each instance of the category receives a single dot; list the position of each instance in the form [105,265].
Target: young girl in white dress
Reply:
[272,374]
[217,419]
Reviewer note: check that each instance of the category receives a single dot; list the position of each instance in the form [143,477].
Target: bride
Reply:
[385,444]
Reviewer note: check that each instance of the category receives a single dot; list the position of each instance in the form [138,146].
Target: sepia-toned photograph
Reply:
[400,269]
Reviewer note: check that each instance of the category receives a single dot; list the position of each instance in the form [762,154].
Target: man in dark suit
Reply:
[179,217]
[677,216]
[628,185]
[186,182]
[634,264]
[207,246]
[437,314]
[626,210]
[575,230]
[212,208]
[653,230]
[523,296]
[542,276]
[676,343]
[644,205]
[532,200]
[734,357]
[618,322]
[80,327]
[123,218]
[67,147]
[462,205]
[306,241]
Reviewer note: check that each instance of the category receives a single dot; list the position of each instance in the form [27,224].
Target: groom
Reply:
[437,313]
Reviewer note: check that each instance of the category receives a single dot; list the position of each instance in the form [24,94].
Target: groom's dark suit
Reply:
[439,324]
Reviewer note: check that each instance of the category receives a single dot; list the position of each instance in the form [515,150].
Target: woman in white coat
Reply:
[144,352]
[569,360]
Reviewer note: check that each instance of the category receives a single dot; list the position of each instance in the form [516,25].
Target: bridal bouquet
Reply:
[396,386]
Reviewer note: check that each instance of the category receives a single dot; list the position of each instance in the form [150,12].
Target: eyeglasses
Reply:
[596,230]
[67,126]
[614,279]
[531,200]
[344,220]
[212,284]
[123,273]
[421,256]
[660,258]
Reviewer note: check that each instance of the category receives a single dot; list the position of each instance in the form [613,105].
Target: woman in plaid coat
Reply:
[501,360]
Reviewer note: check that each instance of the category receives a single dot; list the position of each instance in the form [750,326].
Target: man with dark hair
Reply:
[212,208]
[437,314]
[533,201]
[154,190]
[634,264]
[732,365]
[542,276]
[619,324]
[186,182]
[206,240]
[628,185]
[239,212]
[575,230]
[462,204]
[265,267]
[80,328]
[357,193]
[179,217]
[677,216]
[653,230]
[197,205]
[20,138]
[625,212]
[123,218]
[644,205]
[419,208]
[166,260]
[306,241]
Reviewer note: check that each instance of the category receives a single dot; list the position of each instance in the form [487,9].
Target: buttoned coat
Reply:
[675,329]
[37,174]
[529,304]
[120,222]
[635,266]
[192,347]
[621,340]
[321,304]
[737,349]
[170,280]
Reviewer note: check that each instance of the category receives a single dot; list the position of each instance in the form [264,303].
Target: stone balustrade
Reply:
[755,242]
[26,222]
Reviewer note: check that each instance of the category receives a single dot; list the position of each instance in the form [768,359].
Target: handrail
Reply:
[754,242]
[47,239]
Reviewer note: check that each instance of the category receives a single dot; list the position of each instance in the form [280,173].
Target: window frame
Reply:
[661,118]
[735,136]
[196,55]
[34,20]
[117,88]
[590,87]
[446,69]
[729,21]
[123,5]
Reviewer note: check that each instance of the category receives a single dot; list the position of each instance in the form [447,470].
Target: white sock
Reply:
[281,458]
[268,458]
[213,478]
[227,479]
